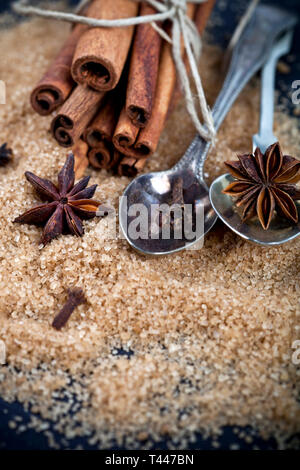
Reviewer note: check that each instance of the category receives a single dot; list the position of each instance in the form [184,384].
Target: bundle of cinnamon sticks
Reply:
[115,87]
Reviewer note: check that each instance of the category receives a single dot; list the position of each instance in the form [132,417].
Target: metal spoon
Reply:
[280,230]
[249,54]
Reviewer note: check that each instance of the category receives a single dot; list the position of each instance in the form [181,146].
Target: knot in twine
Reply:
[177,4]
[182,27]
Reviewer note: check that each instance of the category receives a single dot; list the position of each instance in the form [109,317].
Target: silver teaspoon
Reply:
[280,230]
[156,189]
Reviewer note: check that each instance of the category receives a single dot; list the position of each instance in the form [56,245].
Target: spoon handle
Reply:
[265,137]
[248,56]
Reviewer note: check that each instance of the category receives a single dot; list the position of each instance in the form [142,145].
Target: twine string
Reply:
[182,27]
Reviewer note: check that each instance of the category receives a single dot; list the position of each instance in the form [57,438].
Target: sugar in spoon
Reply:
[149,190]
[280,230]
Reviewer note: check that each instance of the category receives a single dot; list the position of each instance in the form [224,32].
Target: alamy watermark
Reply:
[296,93]
[2,353]
[155,222]
[296,353]
[2,92]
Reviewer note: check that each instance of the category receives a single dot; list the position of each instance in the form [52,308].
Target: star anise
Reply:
[5,154]
[265,183]
[68,207]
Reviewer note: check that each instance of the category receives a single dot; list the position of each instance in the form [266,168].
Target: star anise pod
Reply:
[5,154]
[68,205]
[265,183]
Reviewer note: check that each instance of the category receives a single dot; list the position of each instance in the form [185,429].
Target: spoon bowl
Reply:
[148,191]
[280,230]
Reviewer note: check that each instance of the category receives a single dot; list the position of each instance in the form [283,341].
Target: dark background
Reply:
[226,14]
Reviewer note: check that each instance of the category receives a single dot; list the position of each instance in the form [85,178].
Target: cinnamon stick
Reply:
[57,83]
[130,166]
[74,116]
[103,125]
[101,53]
[103,156]
[148,138]
[143,71]
[125,134]
[202,14]
[99,133]
[81,162]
